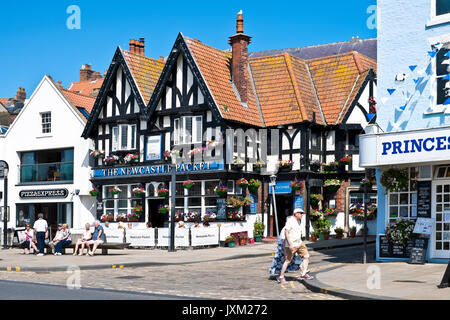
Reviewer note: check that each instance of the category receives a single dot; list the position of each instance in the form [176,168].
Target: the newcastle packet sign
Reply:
[152,170]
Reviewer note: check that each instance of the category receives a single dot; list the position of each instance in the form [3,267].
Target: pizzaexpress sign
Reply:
[158,169]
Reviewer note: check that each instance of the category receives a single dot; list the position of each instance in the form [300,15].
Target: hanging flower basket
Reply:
[366,182]
[331,167]
[296,185]
[357,211]
[137,210]
[257,166]
[94,193]
[188,184]
[253,185]
[111,160]
[314,215]
[221,191]
[234,203]
[115,191]
[163,209]
[329,213]
[395,180]
[131,158]
[315,199]
[332,185]
[345,160]
[163,193]
[285,165]
[138,192]
[243,183]
[237,164]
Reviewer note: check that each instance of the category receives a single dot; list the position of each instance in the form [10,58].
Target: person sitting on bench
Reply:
[97,238]
[87,236]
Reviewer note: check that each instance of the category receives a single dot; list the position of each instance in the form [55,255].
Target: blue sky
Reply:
[36,40]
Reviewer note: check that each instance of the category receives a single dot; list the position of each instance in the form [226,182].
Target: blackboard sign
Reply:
[418,253]
[221,209]
[424,199]
[392,250]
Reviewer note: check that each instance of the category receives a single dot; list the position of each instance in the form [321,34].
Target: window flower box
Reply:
[237,164]
[314,165]
[111,160]
[179,216]
[257,166]
[235,215]
[163,193]
[107,217]
[330,167]
[193,216]
[131,158]
[133,217]
[121,217]
[98,154]
[285,165]
[210,216]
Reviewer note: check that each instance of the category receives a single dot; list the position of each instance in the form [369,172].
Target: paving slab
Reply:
[383,281]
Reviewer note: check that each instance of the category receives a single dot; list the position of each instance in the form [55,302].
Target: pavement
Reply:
[13,260]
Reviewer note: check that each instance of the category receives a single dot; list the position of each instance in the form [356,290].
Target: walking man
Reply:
[294,244]
[41,231]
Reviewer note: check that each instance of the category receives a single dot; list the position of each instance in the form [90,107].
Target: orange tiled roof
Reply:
[146,72]
[335,79]
[88,88]
[214,64]
[79,100]
[4,100]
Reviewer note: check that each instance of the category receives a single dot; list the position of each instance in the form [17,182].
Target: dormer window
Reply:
[124,137]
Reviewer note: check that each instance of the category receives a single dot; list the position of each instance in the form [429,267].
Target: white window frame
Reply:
[117,140]
[43,124]
[437,19]
[125,188]
[181,136]
[409,204]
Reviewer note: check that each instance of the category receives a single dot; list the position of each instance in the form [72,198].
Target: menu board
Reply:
[221,209]
[424,199]
[418,253]
[384,247]
[392,250]
[424,226]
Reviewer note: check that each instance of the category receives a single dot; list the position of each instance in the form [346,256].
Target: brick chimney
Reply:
[138,46]
[86,73]
[239,68]
[20,95]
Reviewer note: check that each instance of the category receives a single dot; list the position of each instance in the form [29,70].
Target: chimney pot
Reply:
[240,23]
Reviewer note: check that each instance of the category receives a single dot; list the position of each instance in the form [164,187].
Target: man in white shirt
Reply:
[41,231]
[294,244]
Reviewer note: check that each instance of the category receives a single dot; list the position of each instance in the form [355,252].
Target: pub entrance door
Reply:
[284,209]
[440,210]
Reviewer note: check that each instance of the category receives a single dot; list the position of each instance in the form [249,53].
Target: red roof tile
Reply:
[87,88]
[79,100]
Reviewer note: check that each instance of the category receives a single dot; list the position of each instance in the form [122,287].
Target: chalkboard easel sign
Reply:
[424,199]
[391,250]
[419,251]
[221,209]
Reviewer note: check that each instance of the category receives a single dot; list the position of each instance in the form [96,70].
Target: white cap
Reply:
[298,210]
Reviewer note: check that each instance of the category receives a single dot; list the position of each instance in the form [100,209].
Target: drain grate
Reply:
[409,281]
[129,277]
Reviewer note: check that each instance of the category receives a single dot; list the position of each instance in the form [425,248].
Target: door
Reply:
[284,209]
[440,237]
[157,219]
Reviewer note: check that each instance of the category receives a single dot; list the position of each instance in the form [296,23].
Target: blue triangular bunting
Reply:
[447,102]
[447,77]
[391,91]
[447,54]
[416,80]
[370,116]
[403,107]
[432,53]
[412,68]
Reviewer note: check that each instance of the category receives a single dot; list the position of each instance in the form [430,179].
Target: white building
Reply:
[48,159]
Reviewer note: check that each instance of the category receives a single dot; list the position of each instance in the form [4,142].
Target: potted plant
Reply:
[314,165]
[131,158]
[242,183]
[247,201]
[193,216]
[237,164]
[315,215]
[330,167]
[400,231]
[395,180]
[163,209]
[98,154]
[229,241]
[163,193]
[235,215]
[138,192]
[352,232]
[188,184]
[121,217]
[107,217]
[258,230]
[339,232]
[94,192]
[221,191]
[253,185]
[296,185]
[362,231]
[285,165]
[114,191]
[315,199]
[330,213]
[314,235]
[324,226]
[242,239]
[332,185]
[133,217]
[258,165]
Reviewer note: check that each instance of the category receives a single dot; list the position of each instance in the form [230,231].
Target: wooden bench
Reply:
[104,246]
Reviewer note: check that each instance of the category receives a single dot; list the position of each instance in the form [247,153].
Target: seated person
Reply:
[87,235]
[97,238]
[58,237]
[28,243]
[64,241]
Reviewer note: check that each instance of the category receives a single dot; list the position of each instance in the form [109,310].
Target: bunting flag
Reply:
[432,53]
[447,102]
[447,77]
[403,107]
[416,80]
[391,91]
[447,54]
[412,68]
[370,116]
